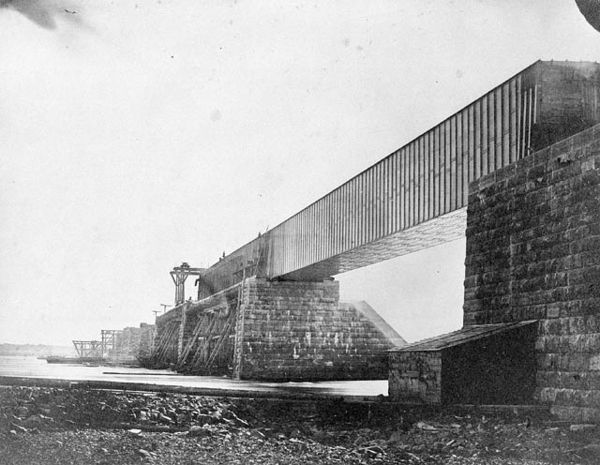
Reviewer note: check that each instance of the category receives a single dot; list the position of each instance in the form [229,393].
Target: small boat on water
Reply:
[78,360]
[91,361]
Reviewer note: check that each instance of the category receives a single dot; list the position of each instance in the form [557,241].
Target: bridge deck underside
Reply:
[429,234]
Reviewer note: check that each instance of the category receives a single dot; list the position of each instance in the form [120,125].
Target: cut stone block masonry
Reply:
[277,330]
[533,253]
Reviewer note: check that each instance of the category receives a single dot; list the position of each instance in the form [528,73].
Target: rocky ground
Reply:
[77,426]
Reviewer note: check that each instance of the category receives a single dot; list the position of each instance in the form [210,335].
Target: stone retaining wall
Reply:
[415,377]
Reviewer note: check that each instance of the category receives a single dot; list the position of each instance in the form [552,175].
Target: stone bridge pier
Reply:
[276,330]
[532,292]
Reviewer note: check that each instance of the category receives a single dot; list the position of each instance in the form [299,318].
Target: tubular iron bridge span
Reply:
[415,197]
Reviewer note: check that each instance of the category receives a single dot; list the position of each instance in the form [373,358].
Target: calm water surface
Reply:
[32,367]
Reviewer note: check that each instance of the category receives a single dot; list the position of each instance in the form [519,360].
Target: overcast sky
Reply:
[136,134]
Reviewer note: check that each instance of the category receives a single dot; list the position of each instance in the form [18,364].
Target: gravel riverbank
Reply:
[77,426]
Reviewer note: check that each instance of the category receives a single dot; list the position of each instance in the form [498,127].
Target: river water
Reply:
[31,367]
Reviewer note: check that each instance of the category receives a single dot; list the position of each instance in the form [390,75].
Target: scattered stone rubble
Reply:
[44,425]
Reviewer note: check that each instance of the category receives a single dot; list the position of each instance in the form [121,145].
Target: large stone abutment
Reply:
[533,253]
[276,330]
[533,257]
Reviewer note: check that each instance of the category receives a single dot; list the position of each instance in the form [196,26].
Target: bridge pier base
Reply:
[281,335]
[300,331]
[278,331]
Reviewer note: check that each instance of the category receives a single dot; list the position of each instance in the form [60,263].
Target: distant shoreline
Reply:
[34,350]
